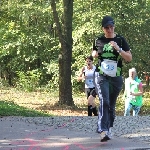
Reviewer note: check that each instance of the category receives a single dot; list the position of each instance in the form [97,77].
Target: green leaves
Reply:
[29,40]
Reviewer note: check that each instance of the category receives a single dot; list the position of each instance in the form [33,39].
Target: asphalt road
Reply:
[21,135]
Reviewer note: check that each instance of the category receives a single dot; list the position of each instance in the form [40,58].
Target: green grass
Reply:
[12,109]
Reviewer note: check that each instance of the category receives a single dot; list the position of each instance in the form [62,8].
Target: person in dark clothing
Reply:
[111,49]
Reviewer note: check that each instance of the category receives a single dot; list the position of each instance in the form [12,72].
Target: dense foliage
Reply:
[29,46]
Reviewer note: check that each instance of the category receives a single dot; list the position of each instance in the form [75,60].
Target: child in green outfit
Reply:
[133,93]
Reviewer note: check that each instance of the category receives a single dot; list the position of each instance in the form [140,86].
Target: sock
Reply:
[90,110]
[95,111]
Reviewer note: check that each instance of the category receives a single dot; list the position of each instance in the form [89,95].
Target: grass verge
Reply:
[12,109]
[41,104]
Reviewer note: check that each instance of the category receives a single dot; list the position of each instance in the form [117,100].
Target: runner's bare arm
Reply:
[80,77]
[126,55]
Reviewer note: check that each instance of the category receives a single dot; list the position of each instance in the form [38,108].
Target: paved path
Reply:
[22,135]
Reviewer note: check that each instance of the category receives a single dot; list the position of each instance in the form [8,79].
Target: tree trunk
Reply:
[65,57]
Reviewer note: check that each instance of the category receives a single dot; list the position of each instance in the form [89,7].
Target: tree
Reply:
[29,44]
[65,56]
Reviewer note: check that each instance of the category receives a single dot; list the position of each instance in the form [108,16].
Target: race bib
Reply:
[109,67]
[90,82]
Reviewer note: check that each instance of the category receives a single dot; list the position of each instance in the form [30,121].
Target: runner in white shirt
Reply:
[86,74]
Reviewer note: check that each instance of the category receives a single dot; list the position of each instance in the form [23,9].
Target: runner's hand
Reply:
[115,45]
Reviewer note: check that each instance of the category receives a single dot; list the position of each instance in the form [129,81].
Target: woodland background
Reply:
[30,46]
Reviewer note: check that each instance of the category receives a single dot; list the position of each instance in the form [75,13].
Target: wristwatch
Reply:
[120,50]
